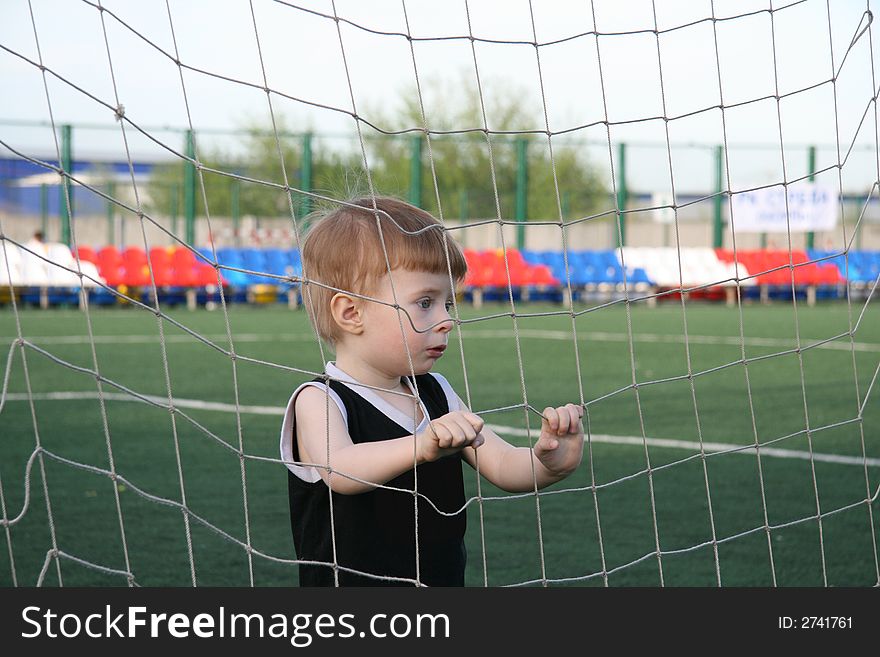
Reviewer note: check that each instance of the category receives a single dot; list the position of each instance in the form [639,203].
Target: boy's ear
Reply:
[347,312]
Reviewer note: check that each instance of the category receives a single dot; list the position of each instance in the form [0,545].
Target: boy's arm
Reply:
[323,441]
[556,454]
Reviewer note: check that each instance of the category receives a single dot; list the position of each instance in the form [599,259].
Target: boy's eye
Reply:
[424,304]
[449,306]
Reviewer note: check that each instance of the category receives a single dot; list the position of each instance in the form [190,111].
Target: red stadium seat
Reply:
[205,275]
[109,262]
[543,276]
[489,269]
[87,254]
[134,255]
[160,262]
[110,254]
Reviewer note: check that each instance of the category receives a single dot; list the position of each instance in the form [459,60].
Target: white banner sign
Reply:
[810,207]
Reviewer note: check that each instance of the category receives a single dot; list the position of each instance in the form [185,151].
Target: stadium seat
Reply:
[160,263]
[33,270]
[255,260]
[110,265]
[231,257]
[63,271]
[10,264]
[87,253]
[135,272]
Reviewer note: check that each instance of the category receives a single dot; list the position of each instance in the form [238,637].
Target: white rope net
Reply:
[28,494]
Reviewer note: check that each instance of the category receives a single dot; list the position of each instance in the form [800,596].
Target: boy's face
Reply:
[425,301]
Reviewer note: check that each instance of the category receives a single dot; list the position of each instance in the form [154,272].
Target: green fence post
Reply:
[111,213]
[622,192]
[235,202]
[811,169]
[65,208]
[522,191]
[306,175]
[463,209]
[415,170]
[174,206]
[718,201]
[44,210]
[189,189]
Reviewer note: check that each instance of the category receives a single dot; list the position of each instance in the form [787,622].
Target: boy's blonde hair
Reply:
[343,250]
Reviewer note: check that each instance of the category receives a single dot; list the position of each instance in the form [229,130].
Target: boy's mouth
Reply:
[437,350]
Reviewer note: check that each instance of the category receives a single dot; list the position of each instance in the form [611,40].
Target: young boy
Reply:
[374,454]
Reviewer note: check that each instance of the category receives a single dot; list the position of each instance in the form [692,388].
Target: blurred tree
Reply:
[460,164]
[262,195]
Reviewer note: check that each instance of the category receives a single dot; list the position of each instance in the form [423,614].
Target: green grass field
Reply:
[584,530]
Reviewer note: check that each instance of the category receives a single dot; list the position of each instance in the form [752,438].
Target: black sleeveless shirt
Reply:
[375,532]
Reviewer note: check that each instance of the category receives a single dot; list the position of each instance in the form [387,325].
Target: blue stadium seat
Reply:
[255,260]
[870,265]
[609,265]
[838,260]
[232,257]
[276,262]
[532,257]
[639,275]
[579,268]
[555,260]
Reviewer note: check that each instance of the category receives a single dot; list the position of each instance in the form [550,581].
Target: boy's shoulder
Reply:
[312,396]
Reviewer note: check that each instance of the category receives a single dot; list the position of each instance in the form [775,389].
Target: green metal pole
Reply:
[415,170]
[717,202]
[111,213]
[189,189]
[811,167]
[44,210]
[235,201]
[522,191]
[622,192]
[65,208]
[463,209]
[306,176]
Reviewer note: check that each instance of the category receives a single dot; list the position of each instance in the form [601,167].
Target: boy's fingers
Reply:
[576,413]
[551,418]
[462,432]
[442,433]
[474,424]
[474,420]
[564,420]
[545,444]
[464,428]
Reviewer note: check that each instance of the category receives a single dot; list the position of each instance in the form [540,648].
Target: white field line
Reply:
[840,344]
[504,430]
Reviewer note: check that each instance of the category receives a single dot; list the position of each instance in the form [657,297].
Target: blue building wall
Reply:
[20,196]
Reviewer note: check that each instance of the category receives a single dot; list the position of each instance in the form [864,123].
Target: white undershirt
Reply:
[310,474]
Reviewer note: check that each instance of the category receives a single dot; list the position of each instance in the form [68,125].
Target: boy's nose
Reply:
[446,323]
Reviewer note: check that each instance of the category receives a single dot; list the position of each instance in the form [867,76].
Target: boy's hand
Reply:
[561,444]
[449,434]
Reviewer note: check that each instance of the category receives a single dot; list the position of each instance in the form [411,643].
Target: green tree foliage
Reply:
[475,174]
[467,167]
[256,186]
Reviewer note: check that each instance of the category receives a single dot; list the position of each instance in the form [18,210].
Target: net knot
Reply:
[119,112]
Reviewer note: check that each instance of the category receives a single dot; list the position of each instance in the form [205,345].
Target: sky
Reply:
[322,72]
